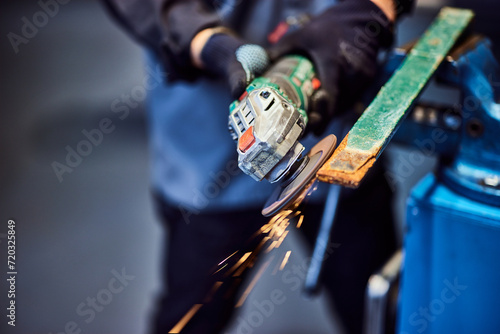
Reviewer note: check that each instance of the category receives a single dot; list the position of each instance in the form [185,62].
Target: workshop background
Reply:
[75,237]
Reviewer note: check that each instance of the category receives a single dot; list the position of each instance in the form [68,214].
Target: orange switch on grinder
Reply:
[246,140]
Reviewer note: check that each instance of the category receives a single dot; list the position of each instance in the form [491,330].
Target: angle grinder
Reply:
[267,122]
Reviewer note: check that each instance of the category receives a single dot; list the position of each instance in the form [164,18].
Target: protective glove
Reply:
[343,43]
[239,63]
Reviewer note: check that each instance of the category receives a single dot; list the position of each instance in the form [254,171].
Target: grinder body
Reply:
[270,117]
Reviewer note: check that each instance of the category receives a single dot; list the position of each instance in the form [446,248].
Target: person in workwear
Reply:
[209,208]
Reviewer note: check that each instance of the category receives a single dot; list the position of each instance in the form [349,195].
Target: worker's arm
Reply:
[169,27]
[192,24]
[195,39]
[191,39]
[388,7]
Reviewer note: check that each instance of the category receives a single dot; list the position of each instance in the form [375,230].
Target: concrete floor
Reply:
[74,236]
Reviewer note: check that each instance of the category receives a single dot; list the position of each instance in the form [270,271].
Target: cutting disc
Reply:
[288,193]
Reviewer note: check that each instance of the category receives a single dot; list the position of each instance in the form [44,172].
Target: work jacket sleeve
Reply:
[167,28]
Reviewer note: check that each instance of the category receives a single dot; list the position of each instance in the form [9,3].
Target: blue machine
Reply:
[451,255]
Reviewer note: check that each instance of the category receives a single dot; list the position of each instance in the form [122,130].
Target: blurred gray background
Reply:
[72,236]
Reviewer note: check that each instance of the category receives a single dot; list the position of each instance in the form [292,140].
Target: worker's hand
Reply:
[343,43]
[222,53]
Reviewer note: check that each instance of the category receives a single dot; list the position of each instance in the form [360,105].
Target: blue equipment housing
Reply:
[451,273]
[451,270]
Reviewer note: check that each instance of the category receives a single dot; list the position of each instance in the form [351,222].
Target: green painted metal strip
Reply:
[374,129]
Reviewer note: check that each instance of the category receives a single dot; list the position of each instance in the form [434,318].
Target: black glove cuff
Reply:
[181,21]
[218,51]
[366,15]
[403,7]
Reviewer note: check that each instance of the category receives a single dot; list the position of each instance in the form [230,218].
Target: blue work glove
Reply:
[231,58]
[343,43]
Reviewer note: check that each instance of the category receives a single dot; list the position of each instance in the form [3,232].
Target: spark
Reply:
[180,325]
[275,270]
[301,219]
[252,283]
[285,259]
[239,263]
[244,266]
[224,266]
[271,246]
[280,240]
[227,258]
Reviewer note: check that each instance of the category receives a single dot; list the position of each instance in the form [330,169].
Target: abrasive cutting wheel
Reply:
[288,192]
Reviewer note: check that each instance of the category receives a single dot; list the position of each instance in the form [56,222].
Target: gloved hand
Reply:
[231,58]
[343,43]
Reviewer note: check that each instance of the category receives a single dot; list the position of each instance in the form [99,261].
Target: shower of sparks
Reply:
[271,236]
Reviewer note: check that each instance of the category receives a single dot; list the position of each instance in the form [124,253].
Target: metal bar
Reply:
[372,132]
